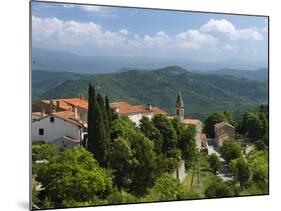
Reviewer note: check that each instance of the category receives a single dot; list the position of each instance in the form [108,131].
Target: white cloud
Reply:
[124,32]
[228,28]
[53,31]
[160,39]
[91,8]
[194,39]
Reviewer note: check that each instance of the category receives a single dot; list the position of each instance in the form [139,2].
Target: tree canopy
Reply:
[230,150]
[73,175]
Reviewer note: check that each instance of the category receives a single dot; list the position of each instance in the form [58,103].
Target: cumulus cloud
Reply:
[159,39]
[124,32]
[228,28]
[194,39]
[68,33]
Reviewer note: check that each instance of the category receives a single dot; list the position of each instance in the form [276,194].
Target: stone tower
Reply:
[179,108]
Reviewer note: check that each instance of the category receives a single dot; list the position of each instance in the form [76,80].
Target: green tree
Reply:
[252,127]
[123,127]
[108,111]
[144,171]
[163,124]
[98,128]
[211,121]
[230,150]
[167,188]
[139,156]
[218,189]
[214,163]
[120,197]
[260,145]
[151,132]
[121,160]
[187,144]
[241,170]
[43,151]
[73,175]
[178,126]
[258,161]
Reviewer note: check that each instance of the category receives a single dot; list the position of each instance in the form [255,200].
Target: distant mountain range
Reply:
[58,61]
[259,75]
[203,93]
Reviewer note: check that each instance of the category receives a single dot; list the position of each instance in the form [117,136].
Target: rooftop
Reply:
[221,124]
[126,108]
[191,121]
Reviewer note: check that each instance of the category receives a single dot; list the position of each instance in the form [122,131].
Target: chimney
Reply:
[75,113]
[52,107]
[81,96]
[58,104]
[148,107]
[43,114]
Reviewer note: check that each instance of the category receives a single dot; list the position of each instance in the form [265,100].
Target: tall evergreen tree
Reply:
[98,130]
[90,143]
[108,111]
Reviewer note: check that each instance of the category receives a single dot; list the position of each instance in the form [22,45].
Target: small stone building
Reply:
[224,131]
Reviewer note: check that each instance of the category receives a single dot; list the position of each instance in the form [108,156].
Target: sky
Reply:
[135,32]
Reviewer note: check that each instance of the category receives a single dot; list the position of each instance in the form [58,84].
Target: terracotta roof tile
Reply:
[126,108]
[191,121]
[67,104]
[221,124]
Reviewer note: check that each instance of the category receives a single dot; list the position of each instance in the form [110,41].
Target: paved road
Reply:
[225,173]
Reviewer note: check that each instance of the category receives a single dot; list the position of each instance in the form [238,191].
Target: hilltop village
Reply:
[64,121]
[136,150]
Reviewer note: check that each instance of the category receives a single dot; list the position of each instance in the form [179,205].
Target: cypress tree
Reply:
[108,111]
[91,92]
[98,129]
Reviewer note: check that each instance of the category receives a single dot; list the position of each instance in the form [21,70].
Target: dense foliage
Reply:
[230,150]
[218,189]
[214,163]
[73,176]
[124,163]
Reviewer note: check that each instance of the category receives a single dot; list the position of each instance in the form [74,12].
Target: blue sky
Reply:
[114,31]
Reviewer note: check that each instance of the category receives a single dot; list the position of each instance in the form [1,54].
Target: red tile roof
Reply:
[67,104]
[126,108]
[191,121]
[123,107]
[69,117]
[221,124]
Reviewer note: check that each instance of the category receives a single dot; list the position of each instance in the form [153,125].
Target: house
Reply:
[136,112]
[189,122]
[68,104]
[63,128]
[223,131]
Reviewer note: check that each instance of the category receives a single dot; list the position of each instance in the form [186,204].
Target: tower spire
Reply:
[179,107]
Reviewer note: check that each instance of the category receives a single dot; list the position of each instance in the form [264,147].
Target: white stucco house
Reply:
[60,128]
[136,112]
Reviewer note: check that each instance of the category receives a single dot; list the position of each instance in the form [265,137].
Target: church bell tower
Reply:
[179,108]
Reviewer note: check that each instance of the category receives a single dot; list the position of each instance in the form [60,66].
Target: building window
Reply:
[41,131]
[52,119]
